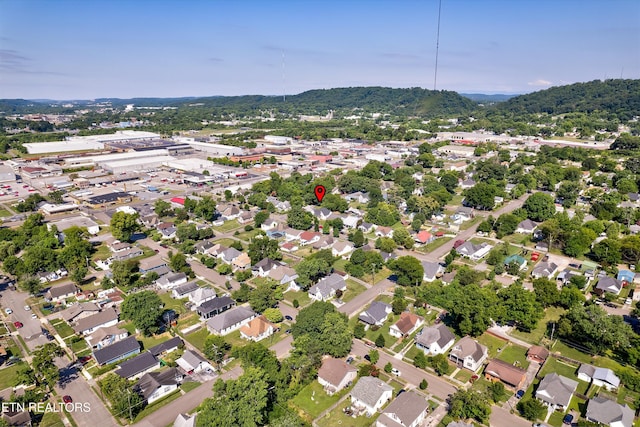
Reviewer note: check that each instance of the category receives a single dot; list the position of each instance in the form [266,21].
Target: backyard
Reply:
[313,400]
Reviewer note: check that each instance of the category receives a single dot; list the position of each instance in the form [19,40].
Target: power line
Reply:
[435,75]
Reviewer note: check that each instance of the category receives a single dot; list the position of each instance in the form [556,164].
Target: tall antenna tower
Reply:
[284,93]
[435,75]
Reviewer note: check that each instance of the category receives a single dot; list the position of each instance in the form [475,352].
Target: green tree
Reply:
[440,364]
[539,207]
[546,292]
[205,209]
[420,360]
[607,251]
[380,341]
[423,384]
[262,247]
[374,356]
[466,404]
[359,331]
[261,217]
[388,367]
[123,273]
[216,349]
[125,401]
[124,225]
[386,244]
[408,270]
[144,309]
[31,285]
[531,409]
[310,270]
[273,315]
[497,391]
[481,196]
[299,219]
[162,208]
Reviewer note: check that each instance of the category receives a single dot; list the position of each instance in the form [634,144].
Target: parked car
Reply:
[349,360]
[8,310]
[395,372]
[34,316]
[18,325]
[567,419]
[27,308]
[67,399]
[288,318]
[519,394]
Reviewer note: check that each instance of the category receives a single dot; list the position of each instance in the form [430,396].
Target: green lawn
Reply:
[197,338]
[514,354]
[571,352]
[433,245]
[468,224]
[560,368]
[464,375]
[556,419]
[535,336]
[301,296]
[224,242]
[493,344]
[176,305]
[79,346]
[228,226]
[8,375]
[102,253]
[63,329]
[189,385]
[353,289]
[4,213]
[247,235]
[339,418]
[313,400]
[51,419]
[148,342]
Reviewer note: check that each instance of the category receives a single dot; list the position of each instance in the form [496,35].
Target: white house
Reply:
[370,394]
[556,391]
[103,319]
[468,353]
[155,385]
[336,374]
[193,362]
[257,329]
[406,325]
[601,377]
[609,413]
[171,280]
[436,339]
[230,320]
[342,249]
[409,409]
[326,288]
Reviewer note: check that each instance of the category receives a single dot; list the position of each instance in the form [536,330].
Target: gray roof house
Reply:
[117,351]
[155,385]
[602,377]
[229,255]
[138,366]
[526,227]
[201,295]
[183,291]
[369,394]
[608,284]
[468,353]
[544,269]
[431,270]
[264,266]
[61,292]
[215,306]
[408,409]
[609,413]
[376,314]
[435,339]
[102,319]
[184,420]
[556,391]
[230,320]
[326,288]
[193,362]
[171,280]
[78,311]
[166,346]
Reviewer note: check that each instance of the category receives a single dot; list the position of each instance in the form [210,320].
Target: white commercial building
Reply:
[87,143]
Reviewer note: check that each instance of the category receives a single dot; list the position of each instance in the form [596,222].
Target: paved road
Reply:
[31,331]
[437,386]
[282,347]
[167,414]
[360,301]
[501,417]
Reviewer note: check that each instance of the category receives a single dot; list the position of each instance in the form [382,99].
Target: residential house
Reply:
[229,213]
[409,409]
[465,213]
[308,237]
[217,250]
[376,314]
[241,262]
[384,231]
[257,329]
[544,269]
[350,221]
[565,276]
[106,336]
[155,385]
[138,366]
[200,296]
[325,242]
[526,227]
[406,325]
[467,183]
[117,351]
[184,420]
[447,278]
[127,254]
[59,293]
[154,263]
[78,311]
[600,377]
[15,418]
[326,288]
[184,290]
[289,247]
[432,270]
[285,275]
[102,319]
[168,346]
[167,230]
[171,280]
[230,320]
[358,196]
[229,255]
[436,339]
[608,284]
[191,362]
[537,354]
[556,391]
[370,394]
[342,249]
[150,220]
[386,256]
[511,376]
[609,413]
[517,259]
[336,374]
[423,237]
[264,267]
[269,224]
[203,247]
[367,227]
[291,234]
[77,221]
[468,353]
[246,217]
[475,252]
[626,276]
[215,306]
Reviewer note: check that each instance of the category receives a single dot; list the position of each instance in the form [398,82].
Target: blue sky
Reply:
[87,49]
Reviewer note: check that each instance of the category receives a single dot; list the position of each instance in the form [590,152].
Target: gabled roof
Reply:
[183,420]
[468,347]
[229,318]
[166,346]
[333,370]
[171,278]
[527,224]
[607,411]
[115,350]
[77,309]
[556,389]
[439,334]
[369,390]
[151,381]
[215,304]
[202,294]
[328,284]
[431,269]
[140,363]
[186,288]
[544,269]
[191,359]
[257,327]
[601,374]
[376,312]
[407,407]
[267,264]
[58,291]
[506,372]
[609,284]
[538,351]
[90,322]
[101,333]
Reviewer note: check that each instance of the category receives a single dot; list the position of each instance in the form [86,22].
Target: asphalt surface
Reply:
[31,331]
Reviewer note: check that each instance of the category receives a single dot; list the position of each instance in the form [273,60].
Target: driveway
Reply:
[501,417]
[282,347]
[31,332]
[360,301]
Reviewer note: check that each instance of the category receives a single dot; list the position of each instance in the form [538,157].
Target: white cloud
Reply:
[540,82]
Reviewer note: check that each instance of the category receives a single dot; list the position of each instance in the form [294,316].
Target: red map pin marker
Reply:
[320,192]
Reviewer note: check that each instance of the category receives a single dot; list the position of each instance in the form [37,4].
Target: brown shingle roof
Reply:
[334,370]
[407,321]
[506,372]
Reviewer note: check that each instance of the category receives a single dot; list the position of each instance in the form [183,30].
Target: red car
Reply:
[67,399]
[18,325]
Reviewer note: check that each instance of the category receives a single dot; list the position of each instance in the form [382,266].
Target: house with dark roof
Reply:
[230,320]
[326,288]
[203,247]
[184,290]
[609,412]
[376,314]
[166,346]
[431,270]
[103,319]
[336,374]
[138,366]
[154,263]
[215,306]
[600,377]
[156,385]
[78,311]
[468,353]
[544,269]
[58,293]
[556,391]
[409,409]
[229,255]
[608,284]
[537,354]
[526,227]
[117,351]
[370,394]
[16,418]
[285,275]
[406,325]
[511,376]
[263,267]
[436,339]
[171,280]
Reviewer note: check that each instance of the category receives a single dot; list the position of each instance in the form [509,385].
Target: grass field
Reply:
[301,296]
[228,226]
[189,385]
[4,213]
[433,245]
[353,289]
[157,405]
[339,418]
[534,336]
[313,400]
[224,242]
[514,354]
[63,329]
[494,345]
[560,368]
[8,375]
[197,338]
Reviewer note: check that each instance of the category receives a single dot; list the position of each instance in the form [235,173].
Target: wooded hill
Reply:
[620,97]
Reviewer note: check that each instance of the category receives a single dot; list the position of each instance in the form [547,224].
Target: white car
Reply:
[395,372]
[34,316]
[27,308]
[8,310]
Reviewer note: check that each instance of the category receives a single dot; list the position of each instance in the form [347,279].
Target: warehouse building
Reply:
[7,174]
[135,165]
[88,143]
